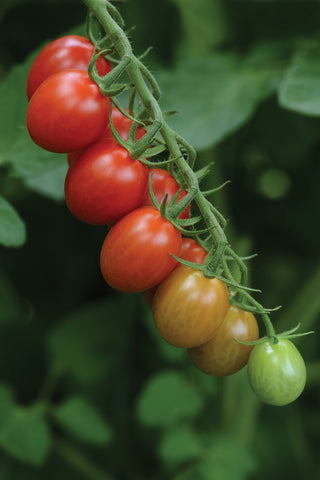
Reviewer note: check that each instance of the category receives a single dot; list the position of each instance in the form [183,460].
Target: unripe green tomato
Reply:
[277,372]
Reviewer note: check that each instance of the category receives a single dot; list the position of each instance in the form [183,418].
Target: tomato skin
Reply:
[191,251]
[188,308]
[277,372]
[135,255]
[222,355]
[122,124]
[104,183]
[64,53]
[67,112]
[164,183]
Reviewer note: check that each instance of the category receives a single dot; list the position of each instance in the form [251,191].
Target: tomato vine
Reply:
[105,29]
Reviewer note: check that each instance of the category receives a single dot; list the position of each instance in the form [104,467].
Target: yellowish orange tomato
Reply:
[188,307]
[222,355]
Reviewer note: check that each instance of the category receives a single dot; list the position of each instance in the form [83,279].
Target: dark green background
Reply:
[90,389]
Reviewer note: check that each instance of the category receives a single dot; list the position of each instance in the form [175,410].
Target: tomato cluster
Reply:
[67,113]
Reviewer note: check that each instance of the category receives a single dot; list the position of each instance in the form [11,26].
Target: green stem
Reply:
[146,87]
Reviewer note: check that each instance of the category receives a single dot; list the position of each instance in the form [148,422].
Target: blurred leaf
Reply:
[10,306]
[40,170]
[24,433]
[167,398]
[218,94]
[88,341]
[82,420]
[179,444]
[12,227]
[300,88]
[204,25]
[225,459]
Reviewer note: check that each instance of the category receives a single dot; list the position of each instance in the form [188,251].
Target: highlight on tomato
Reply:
[136,253]
[104,183]
[222,355]
[277,372]
[164,183]
[188,308]
[191,251]
[67,112]
[65,53]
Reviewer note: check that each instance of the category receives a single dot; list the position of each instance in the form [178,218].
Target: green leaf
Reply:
[228,458]
[87,342]
[167,398]
[225,459]
[179,445]
[41,171]
[205,16]
[300,87]
[218,94]
[12,227]
[82,420]
[24,433]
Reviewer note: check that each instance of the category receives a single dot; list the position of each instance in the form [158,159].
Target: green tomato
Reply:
[277,372]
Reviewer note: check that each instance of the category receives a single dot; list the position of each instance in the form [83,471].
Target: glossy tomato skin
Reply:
[188,307]
[222,355]
[104,183]
[64,53]
[67,112]
[122,124]
[277,372]
[164,183]
[136,252]
[191,251]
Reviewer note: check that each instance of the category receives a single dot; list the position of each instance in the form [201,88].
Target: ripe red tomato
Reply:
[164,183]
[104,183]
[222,355]
[67,112]
[135,255]
[188,308]
[277,372]
[191,251]
[122,124]
[64,53]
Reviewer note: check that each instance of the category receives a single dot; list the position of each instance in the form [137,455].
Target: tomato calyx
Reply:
[274,339]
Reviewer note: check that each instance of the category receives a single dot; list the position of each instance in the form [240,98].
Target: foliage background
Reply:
[87,388]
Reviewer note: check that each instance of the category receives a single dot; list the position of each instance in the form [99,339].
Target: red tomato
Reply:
[191,251]
[222,355]
[135,255]
[163,183]
[122,124]
[104,183]
[67,112]
[188,308]
[65,53]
